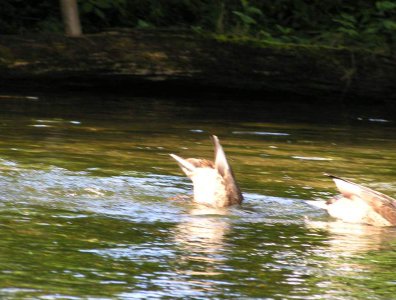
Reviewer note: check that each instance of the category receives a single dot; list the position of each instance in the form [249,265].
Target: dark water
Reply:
[86,211]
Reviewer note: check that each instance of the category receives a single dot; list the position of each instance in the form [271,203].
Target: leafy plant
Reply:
[347,25]
[100,8]
[141,24]
[247,16]
[385,6]
[359,23]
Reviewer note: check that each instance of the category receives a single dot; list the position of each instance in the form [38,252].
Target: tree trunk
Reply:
[71,19]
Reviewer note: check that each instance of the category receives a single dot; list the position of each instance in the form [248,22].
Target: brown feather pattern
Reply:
[382,204]
[227,191]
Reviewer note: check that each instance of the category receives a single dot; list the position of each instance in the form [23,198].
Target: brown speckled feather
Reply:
[214,182]
[380,203]
[233,191]
[201,163]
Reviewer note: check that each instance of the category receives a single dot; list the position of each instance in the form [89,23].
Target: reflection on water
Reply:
[85,200]
[348,239]
[354,254]
[201,237]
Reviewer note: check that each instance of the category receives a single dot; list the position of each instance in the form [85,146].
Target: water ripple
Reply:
[261,133]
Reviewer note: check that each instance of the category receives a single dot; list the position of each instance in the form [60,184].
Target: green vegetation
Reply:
[361,23]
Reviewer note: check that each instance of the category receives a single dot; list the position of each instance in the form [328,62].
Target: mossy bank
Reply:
[178,61]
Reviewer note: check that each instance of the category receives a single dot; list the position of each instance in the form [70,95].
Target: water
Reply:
[88,207]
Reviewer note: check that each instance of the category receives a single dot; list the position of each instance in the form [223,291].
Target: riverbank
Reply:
[182,62]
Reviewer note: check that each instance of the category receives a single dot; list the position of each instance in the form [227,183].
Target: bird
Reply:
[214,183]
[359,204]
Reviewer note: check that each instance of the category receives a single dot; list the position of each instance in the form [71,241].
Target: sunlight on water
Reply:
[92,206]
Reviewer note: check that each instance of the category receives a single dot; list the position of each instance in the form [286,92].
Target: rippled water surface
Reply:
[88,209]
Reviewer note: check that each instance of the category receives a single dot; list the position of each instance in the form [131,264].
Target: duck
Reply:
[214,182]
[359,204]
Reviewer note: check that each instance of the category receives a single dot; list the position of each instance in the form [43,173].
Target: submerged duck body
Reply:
[214,182]
[359,204]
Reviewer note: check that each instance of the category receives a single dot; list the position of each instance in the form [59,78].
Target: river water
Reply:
[88,209]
